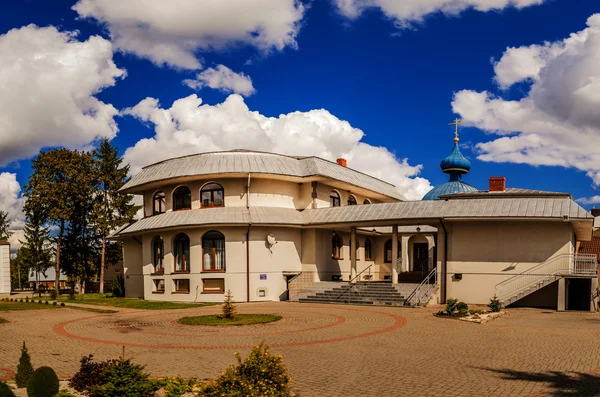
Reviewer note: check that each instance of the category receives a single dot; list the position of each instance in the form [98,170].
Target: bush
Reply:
[451,307]
[26,299]
[88,374]
[462,308]
[62,304]
[54,303]
[175,387]
[43,383]
[40,302]
[21,300]
[261,374]
[53,294]
[64,393]
[118,286]
[5,390]
[495,305]
[123,378]
[228,306]
[476,311]
[24,369]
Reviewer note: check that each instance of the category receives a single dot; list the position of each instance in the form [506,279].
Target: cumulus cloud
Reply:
[172,32]
[189,127]
[589,200]
[406,12]
[223,79]
[11,201]
[557,122]
[48,81]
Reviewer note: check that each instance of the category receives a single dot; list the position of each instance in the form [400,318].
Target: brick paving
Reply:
[333,350]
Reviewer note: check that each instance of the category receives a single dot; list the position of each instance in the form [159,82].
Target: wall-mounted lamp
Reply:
[418,229]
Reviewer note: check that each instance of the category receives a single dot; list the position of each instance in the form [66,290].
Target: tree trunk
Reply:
[101,289]
[57,265]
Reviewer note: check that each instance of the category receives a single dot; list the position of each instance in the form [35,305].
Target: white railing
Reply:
[422,293]
[576,264]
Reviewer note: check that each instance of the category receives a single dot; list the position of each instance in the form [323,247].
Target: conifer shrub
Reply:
[43,383]
[5,390]
[118,286]
[450,308]
[261,374]
[24,369]
[495,305]
[53,294]
[123,378]
[228,307]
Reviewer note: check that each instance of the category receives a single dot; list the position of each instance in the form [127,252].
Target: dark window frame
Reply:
[156,282]
[336,247]
[212,188]
[389,244]
[158,249]
[181,291]
[334,199]
[368,250]
[213,236]
[161,198]
[352,200]
[205,291]
[182,201]
[185,260]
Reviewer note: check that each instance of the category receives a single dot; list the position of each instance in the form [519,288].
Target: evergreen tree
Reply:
[111,208]
[4,225]
[24,369]
[34,253]
[19,272]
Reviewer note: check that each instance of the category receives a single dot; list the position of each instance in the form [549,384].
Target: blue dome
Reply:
[449,188]
[455,162]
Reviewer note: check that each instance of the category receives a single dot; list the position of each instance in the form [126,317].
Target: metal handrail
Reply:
[583,264]
[432,273]
[352,279]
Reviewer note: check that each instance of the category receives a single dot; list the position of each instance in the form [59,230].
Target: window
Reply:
[368,250]
[182,198]
[388,251]
[182,285]
[212,195]
[159,286]
[334,199]
[158,203]
[213,252]
[158,254]
[213,285]
[351,200]
[181,250]
[367,201]
[336,247]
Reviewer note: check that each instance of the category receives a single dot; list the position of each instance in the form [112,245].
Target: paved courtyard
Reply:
[334,350]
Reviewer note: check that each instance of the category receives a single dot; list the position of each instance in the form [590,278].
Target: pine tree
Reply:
[111,208]
[228,307]
[4,225]
[24,369]
[34,253]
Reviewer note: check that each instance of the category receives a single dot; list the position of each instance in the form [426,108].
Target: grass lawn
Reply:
[240,319]
[129,303]
[11,306]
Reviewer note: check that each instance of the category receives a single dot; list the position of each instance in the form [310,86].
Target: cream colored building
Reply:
[4,267]
[272,227]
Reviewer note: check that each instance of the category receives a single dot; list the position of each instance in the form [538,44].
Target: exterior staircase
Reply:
[361,293]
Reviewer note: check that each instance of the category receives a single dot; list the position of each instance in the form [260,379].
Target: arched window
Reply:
[158,203]
[367,201]
[336,246]
[387,255]
[213,251]
[182,198]
[212,195]
[181,250]
[334,199]
[368,250]
[351,200]
[158,254]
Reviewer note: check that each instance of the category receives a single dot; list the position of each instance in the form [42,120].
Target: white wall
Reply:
[4,268]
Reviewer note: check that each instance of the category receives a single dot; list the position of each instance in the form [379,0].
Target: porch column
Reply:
[395,254]
[562,295]
[353,253]
[405,254]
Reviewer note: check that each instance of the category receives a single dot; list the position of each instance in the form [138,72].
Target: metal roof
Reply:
[536,208]
[509,192]
[449,188]
[239,161]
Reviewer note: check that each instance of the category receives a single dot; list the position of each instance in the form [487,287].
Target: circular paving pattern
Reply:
[6,374]
[301,325]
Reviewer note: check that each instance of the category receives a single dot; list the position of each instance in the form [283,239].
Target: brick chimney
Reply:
[595,212]
[342,162]
[497,184]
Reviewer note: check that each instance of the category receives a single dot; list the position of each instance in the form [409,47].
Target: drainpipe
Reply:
[444,263]
[248,263]
[248,193]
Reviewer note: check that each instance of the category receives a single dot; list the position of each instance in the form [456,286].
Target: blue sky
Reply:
[397,75]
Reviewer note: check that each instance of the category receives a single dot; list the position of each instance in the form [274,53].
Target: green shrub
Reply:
[451,307]
[261,374]
[64,393]
[53,294]
[476,311]
[24,369]
[26,299]
[54,303]
[175,387]
[5,390]
[495,305]
[462,308]
[121,378]
[228,306]
[21,300]
[88,374]
[62,304]
[43,383]
[118,286]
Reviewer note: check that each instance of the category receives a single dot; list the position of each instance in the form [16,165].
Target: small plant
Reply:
[62,304]
[24,369]
[54,303]
[451,307]
[40,302]
[123,378]
[43,383]
[64,393]
[228,307]
[21,300]
[175,387]
[53,294]
[476,311]
[46,303]
[261,374]
[118,286]
[5,390]
[88,374]
[495,305]
[462,308]
[26,299]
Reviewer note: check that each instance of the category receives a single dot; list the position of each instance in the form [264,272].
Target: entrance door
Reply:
[579,293]
[420,256]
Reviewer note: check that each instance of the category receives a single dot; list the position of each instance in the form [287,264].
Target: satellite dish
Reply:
[271,240]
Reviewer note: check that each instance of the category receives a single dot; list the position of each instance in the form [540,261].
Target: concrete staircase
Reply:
[541,283]
[362,293]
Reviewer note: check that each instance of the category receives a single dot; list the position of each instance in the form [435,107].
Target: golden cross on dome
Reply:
[456,122]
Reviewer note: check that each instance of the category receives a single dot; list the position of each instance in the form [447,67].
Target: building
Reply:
[265,225]
[47,279]
[4,267]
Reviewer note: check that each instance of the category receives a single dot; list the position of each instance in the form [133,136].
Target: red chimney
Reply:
[497,184]
[342,162]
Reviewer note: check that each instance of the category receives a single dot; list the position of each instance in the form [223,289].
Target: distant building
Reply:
[4,267]
[47,279]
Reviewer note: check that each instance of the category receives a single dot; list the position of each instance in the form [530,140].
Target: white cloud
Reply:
[189,127]
[224,79]
[11,201]
[172,32]
[48,81]
[404,13]
[589,200]
[557,122]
